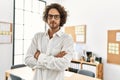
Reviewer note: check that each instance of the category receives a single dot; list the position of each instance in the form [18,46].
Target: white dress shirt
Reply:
[48,67]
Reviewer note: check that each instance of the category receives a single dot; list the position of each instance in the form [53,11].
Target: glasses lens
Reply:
[56,16]
[50,16]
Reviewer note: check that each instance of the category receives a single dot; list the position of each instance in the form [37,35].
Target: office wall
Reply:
[53,1]
[99,16]
[6,15]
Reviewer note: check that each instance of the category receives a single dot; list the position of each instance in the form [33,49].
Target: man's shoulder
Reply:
[38,34]
[65,35]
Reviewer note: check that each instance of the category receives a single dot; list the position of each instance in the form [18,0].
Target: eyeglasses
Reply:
[50,16]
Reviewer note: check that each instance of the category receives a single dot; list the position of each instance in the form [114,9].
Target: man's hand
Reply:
[61,54]
[36,55]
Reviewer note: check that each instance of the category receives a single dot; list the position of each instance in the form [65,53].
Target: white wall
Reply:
[6,15]
[53,1]
[99,16]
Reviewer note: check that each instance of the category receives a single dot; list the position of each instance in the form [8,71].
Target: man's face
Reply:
[53,19]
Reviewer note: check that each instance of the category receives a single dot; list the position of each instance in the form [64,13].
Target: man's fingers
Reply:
[63,53]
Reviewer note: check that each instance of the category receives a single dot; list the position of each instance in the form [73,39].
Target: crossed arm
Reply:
[60,61]
[59,55]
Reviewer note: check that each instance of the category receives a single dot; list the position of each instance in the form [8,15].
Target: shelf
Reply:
[98,67]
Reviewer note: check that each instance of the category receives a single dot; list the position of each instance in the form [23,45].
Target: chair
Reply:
[17,66]
[87,73]
[73,70]
[13,77]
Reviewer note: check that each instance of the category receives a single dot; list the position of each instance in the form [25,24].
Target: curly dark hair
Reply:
[61,10]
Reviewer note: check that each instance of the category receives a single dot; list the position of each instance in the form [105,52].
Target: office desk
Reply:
[26,73]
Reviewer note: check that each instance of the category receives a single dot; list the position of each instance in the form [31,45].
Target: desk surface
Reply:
[27,74]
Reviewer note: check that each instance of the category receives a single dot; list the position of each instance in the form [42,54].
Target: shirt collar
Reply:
[58,33]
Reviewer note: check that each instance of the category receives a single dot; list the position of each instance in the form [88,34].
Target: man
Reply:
[50,53]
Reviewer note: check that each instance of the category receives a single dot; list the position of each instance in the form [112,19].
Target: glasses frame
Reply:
[56,17]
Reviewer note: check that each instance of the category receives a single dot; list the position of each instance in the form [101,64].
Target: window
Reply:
[27,21]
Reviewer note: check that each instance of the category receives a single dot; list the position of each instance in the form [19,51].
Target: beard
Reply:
[53,25]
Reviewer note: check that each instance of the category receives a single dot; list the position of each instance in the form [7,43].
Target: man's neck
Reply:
[52,31]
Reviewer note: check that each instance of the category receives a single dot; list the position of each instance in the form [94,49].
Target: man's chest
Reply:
[51,46]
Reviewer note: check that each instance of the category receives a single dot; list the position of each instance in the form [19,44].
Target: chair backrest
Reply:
[17,66]
[13,77]
[87,73]
[73,70]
